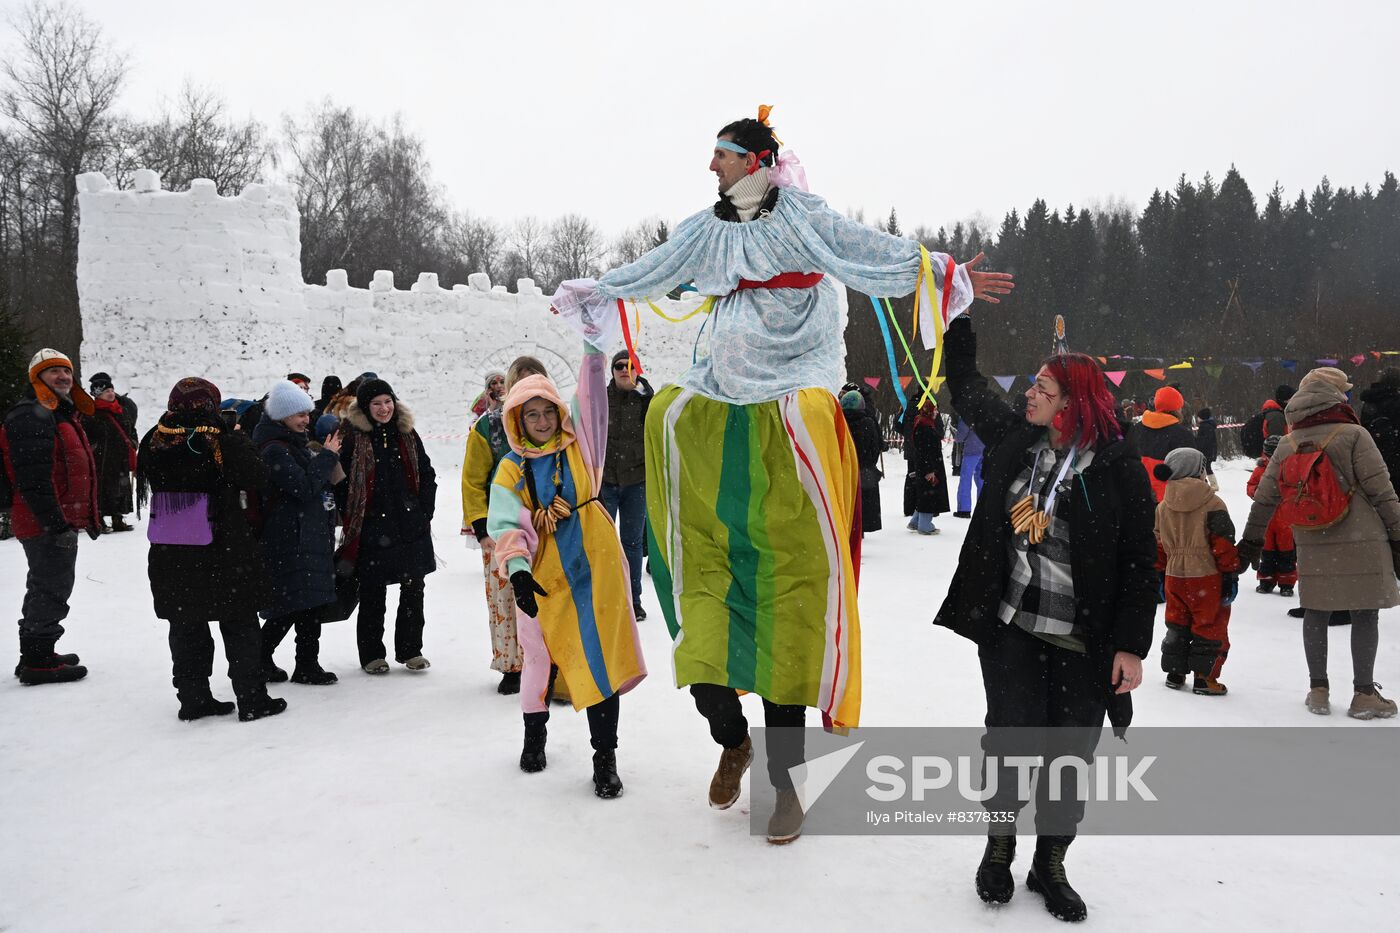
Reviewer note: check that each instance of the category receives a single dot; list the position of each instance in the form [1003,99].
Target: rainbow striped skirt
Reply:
[750,511]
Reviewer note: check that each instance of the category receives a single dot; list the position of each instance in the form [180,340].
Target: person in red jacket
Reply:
[1278,565]
[1196,550]
[50,467]
[1159,432]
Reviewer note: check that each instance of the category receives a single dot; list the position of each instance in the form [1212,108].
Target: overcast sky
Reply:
[942,110]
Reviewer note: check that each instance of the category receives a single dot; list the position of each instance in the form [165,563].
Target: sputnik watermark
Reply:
[1115,777]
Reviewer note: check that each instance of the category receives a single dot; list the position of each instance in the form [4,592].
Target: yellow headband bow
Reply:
[763,111]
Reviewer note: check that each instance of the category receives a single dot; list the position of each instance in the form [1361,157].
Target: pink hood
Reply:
[520,393]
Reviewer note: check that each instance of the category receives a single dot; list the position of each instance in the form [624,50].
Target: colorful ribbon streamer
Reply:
[889,353]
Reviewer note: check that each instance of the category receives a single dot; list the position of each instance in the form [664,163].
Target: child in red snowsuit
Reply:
[1278,565]
[1196,549]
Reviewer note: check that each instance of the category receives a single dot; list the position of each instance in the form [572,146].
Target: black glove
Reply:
[1229,588]
[479,528]
[1250,552]
[67,538]
[525,591]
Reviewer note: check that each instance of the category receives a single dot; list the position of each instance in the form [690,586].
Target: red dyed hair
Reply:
[1090,419]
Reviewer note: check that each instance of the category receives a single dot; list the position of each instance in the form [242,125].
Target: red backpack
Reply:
[1311,496]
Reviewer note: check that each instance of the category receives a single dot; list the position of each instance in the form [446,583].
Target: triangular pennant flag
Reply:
[873,381]
[1156,373]
[1376,354]
[1180,366]
[1006,382]
[905,380]
[1103,360]
[1290,365]
[1254,365]
[1215,371]
[1116,377]
[1391,352]
[1358,359]
[1031,378]
[1323,361]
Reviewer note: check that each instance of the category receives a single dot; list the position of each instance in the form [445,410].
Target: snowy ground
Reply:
[396,802]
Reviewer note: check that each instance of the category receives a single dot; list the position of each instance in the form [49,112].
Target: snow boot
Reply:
[1047,878]
[639,614]
[271,673]
[197,701]
[606,783]
[313,675]
[1367,703]
[377,666]
[1286,591]
[785,824]
[1297,612]
[259,705]
[1266,587]
[1317,701]
[994,882]
[510,683]
[532,759]
[1176,681]
[416,663]
[38,664]
[118,524]
[962,514]
[1208,687]
[733,762]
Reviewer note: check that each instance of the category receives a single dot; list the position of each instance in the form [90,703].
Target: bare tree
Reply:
[528,242]
[474,244]
[59,86]
[197,139]
[575,248]
[638,240]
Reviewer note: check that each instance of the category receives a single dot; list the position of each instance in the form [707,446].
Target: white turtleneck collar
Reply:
[747,193]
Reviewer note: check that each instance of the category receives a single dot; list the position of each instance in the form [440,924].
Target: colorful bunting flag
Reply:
[1215,371]
[1322,361]
[1180,366]
[1156,373]
[1116,377]
[905,380]
[1290,365]
[1358,359]
[873,381]
[1006,382]
[1255,365]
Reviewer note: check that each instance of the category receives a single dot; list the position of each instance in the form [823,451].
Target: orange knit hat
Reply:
[48,359]
[1168,399]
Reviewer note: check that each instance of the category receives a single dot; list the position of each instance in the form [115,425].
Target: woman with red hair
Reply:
[1056,585]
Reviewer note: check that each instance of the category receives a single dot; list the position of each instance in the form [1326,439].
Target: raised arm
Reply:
[989,417]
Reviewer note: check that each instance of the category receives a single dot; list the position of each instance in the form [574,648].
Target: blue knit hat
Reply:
[325,427]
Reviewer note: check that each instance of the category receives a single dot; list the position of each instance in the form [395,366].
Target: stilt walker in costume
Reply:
[752,478]
[565,563]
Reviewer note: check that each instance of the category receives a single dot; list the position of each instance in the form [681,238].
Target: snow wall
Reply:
[193,283]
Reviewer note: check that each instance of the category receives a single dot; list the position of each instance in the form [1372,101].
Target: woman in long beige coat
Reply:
[1351,565]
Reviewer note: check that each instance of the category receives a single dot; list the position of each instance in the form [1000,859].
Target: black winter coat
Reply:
[109,433]
[925,456]
[1206,440]
[1113,549]
[298,534]
[227,578]
[396,541]
[1380,414]
[865,434]
[624,462]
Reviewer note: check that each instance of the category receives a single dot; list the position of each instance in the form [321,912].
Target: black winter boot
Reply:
[1047,878]
[197,701]
[994,882]
[313,675]
[39,665]
[532,757]
[271,673]
[606,783]
[510,683]
[258,705]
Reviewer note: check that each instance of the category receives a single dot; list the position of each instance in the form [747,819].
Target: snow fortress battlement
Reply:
[173,284]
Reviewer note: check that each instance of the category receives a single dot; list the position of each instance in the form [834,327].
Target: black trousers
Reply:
[408,626]
[46,589]
[192,655]
[1041,700]
[305,621]
[786,742]
[602,723]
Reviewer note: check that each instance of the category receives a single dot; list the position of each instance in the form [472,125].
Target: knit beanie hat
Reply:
[370,390]
[48,359]
[1271,444]
[287,399]
[1203,414]
[330,386]
[1168,399]
[1181,463]
[852,401]
[1329,376]
[99,382]
[194,394]
[1282,394]
[325,427]
[494,374]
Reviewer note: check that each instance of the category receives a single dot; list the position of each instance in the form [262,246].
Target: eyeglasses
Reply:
[621,367]
[535,417]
